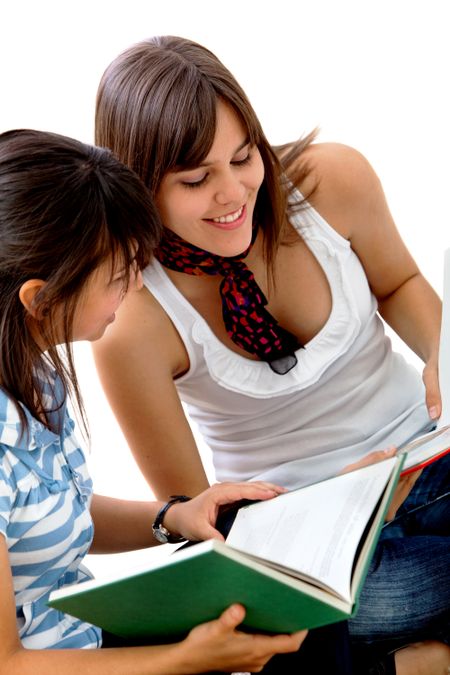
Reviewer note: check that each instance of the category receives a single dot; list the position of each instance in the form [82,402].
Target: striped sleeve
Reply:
[6,497]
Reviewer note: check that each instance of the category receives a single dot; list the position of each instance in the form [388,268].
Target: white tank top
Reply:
[348,394]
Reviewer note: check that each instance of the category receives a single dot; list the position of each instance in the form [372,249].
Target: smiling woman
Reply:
[263,314]
[370,74]
[224,189]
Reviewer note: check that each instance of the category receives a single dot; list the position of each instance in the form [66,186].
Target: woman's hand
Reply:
[217,645]
[372,458]
[430,378]
[195,519]
[405,483]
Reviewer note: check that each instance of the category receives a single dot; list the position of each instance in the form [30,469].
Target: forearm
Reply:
[158,660]
[122,525]
[175,469]
[414,312]
[159,437]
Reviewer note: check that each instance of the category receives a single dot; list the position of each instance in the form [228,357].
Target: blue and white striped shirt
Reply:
[45,493]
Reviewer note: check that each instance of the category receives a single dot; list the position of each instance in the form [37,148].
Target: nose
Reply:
[230,189]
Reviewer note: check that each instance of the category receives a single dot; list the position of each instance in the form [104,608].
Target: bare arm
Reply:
[123,525]
[137,360]
[350,197]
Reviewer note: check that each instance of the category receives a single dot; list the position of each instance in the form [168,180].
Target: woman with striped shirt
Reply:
[75,229]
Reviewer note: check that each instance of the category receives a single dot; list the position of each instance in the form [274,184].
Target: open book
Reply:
[298,560]
[426,449]
[431,446]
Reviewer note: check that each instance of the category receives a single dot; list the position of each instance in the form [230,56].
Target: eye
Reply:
[245,160]
[196,183]
[119,279]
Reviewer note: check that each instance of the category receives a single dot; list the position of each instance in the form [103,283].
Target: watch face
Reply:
[161,535]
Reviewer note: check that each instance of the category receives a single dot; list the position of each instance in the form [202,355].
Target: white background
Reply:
[372,74]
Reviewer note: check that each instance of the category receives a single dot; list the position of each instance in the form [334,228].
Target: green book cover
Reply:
[193,585]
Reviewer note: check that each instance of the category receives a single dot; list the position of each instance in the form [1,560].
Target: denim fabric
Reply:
[406,596]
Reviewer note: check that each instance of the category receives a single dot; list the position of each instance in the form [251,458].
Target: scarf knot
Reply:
[246,320]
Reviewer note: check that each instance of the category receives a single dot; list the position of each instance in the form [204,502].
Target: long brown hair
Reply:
[65,208]
[156,110]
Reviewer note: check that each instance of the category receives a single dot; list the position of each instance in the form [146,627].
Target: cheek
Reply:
[117,297]
[182,209]
[167,203]
[107,304]
[258,174]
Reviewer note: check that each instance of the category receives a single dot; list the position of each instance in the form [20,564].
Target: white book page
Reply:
[314,530]
[425,447]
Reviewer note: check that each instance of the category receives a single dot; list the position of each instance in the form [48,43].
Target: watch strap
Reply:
[160,532]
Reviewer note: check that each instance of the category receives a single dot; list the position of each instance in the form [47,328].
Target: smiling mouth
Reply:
[230,218]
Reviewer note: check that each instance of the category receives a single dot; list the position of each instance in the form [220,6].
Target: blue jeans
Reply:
[406,596]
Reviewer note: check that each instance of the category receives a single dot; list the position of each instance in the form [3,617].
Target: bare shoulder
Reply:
[141,333]
[343,185]
[340,168]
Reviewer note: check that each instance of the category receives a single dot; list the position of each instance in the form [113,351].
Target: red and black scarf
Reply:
[246,320]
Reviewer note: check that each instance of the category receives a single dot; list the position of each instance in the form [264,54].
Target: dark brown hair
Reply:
[65,208]
[156,109]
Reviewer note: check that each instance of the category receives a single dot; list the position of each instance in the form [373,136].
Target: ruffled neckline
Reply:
[255,378]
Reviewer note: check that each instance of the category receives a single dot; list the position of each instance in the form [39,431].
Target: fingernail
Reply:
[433,413]
[235,611]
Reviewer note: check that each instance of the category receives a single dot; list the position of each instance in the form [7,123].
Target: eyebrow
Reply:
[204,165]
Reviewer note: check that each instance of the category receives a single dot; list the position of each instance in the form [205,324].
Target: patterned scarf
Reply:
[246,320]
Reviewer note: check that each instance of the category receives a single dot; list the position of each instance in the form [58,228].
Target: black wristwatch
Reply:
[160,532]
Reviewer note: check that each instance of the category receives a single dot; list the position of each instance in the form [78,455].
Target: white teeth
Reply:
[230,218]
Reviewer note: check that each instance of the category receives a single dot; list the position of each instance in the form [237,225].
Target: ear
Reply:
[27,295]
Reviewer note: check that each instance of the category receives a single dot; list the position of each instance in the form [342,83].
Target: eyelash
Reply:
[120,282]
[238,163]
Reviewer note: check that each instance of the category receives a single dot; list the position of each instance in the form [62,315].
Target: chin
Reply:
[99,334]
[232,245]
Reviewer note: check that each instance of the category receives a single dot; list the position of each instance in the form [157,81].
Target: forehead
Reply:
[230,128]
[230,136]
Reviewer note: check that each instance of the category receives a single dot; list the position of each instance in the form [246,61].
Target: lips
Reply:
[230,218]
[230,221]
